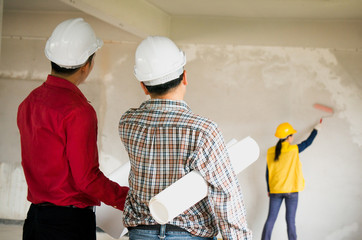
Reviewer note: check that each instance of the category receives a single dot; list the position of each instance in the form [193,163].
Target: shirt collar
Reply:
[165,104]
[63,83]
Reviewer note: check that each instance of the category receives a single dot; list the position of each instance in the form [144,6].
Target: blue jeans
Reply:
[291,203]
[142,234]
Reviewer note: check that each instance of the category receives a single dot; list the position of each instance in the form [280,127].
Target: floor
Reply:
[14,232]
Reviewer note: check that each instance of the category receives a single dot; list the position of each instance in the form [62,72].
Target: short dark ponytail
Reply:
[278,148]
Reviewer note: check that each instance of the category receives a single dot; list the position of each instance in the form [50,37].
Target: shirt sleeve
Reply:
[82,153]
[306,143]
[225,194]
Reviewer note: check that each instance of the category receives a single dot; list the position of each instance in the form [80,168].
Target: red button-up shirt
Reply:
[58,130]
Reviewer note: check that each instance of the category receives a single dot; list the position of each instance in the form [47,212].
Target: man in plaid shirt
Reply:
[165,140]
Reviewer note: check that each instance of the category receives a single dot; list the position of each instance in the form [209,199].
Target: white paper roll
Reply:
[192,188]
[243,153]
[177,195]
[110,219]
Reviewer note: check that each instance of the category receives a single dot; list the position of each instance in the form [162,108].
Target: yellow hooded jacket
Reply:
[285,174]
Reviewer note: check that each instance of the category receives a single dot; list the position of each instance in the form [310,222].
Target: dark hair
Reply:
[69,71]
[278,148]
[165,87]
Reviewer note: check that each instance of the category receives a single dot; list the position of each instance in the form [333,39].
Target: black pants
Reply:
[59,223]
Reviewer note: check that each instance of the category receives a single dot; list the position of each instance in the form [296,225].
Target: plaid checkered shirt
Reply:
[165,140]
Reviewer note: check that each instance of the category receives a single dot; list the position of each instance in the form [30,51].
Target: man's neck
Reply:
[167,96]
[71,78]
[176,93]
[170,96]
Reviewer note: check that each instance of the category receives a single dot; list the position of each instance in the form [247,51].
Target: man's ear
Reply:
[184,80]
[144,88]
[85,67]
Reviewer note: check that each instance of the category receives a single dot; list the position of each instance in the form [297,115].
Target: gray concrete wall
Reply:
[248,89]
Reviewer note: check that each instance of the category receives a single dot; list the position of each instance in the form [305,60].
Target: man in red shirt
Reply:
[58,130]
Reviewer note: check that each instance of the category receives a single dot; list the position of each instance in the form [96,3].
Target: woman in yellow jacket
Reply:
[284,177]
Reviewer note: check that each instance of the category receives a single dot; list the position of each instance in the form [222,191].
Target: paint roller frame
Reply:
[324,108]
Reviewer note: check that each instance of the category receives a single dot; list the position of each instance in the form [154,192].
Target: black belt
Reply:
[46,204]
[169,228]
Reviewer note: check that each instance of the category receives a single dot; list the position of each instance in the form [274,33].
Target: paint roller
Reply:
[324,109]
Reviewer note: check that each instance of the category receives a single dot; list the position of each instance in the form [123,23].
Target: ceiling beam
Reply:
[134,16]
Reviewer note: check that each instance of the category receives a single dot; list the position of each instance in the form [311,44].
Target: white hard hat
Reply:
[158,60]
[71,43]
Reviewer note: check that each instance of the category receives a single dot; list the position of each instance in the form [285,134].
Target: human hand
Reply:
[318,126]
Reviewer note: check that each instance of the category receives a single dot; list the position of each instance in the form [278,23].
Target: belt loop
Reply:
[162,232]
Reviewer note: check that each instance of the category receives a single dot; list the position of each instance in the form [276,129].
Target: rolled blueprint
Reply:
[192,188]
[171,202]
[109,219]
[243,153]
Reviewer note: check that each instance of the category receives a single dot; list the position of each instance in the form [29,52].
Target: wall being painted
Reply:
[250,90]
[247,90]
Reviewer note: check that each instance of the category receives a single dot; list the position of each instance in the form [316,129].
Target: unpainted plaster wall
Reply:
[246,89]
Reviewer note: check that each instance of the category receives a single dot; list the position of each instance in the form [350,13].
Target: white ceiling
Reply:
[290,9]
